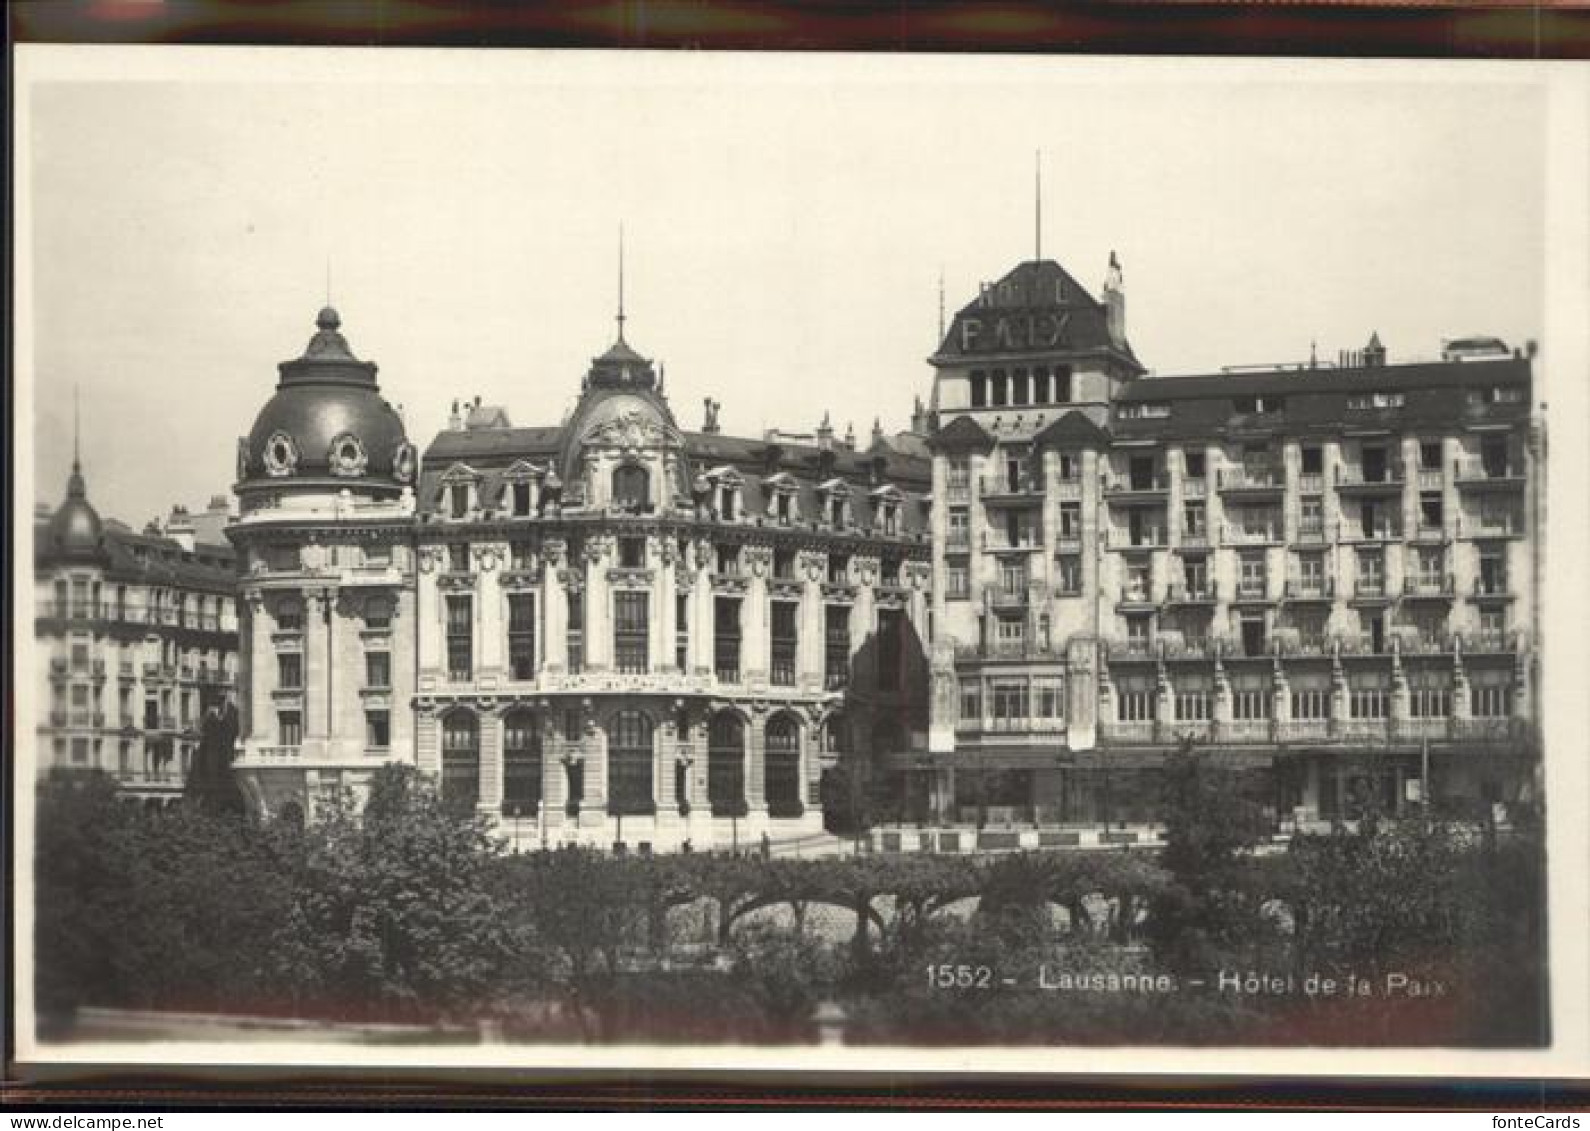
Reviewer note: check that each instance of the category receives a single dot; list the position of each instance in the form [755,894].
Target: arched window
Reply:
[783,767]
[726,766]
[460,760]
[631,487]
[521,765]
[629,764]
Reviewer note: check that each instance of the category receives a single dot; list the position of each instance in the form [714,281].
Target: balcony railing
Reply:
[1137,594]
[1492,587]
[1429,479]
[1181,593]
[957,492]
[1390,478]
[1006,596]
[1311,483]
[1130,485]
[1234,535]
[1362,644]
[1471,471]
[958,539]
[59,664]
[1417,586]
[1369,589]
[1000,486]
[1312,533]
[1067,489]
[1194,648]
[1194,539]
[997,544]
[1285,643]
[1137,731]
[1251,479]
[1309,589]
[1385,532]
[1490,642]
[278,753]
[1253,589]
[1130,649]
[1009,650]
[727,673]
[1195,488]
[1151,538]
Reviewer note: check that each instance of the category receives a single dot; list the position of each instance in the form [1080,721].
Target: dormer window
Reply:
[458,500]
[1365,401]
[632,553]
[631,488]
[457,557]
[1258,406]
[519,499]
[1143,410]
[838,569]
[728,561]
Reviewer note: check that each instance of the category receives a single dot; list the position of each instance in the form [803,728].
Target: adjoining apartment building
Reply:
[1325,573]
[606,630]
[138,633]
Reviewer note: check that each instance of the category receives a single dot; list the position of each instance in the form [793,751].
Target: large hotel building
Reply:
[993,630]
[608,630]
[1324,573]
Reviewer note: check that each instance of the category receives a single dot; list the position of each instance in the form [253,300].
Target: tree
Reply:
[1209,821]
[395,914]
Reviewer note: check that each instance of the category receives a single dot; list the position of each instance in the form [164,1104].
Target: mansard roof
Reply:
[1037,307]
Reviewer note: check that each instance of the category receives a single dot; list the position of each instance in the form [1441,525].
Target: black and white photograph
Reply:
[623,557]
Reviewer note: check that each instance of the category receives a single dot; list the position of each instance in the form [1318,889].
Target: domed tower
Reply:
[76,534]
[325,483]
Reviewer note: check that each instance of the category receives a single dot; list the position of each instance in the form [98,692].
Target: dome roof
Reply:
[76,532]
[327,419]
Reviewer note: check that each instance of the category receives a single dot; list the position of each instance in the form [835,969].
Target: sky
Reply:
[787,222]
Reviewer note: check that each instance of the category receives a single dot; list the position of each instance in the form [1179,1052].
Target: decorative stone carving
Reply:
[758,560]
[347,456]
[281,455]
[631,430]
[242,457]
[815,565]
[554,551]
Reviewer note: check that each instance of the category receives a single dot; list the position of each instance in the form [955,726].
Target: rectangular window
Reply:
[785,642]
[1371,573]
[1251,580]
[958,472]
[1310,519]
[1369,702]
[460,638]
[458,557]
[290,728]
[1312,460]
[521,636]
[1194,521]
[378,669]
[682,631]
[576,631]
[289,671]
[1490,701]
[1430,513]
[1008,700]
[631,614]
[1250,705]
[838,569]
[1135,706]
[377,730]
[289,617]
[1311,575]
[1430,455]
[957,582]
[726,638]
[1194,464]
[1070,520]
[891,648]
[1311,704]
[971,700]
[1429,703]
[1068,568]
[728,559]
[1010,632]
[521,499]
[1195,576]
[958,528]
[836,646]
[1070,467]
[1192,706]
[1048,697]
[458,500]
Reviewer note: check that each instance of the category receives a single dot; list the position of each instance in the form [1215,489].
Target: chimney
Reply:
[825,434]
[919,420]
[850,436]
[877,430]
[1374,352]
[455,422]
[1115,303]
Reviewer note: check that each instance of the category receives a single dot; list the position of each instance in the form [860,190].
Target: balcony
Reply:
[126,669]
[1067,489]
[153,670]
[1009,650]
[1006,596]
[1136,487]
[1488,730]
[1204,593]
[1430,479]
[1383,532]
[1295,645]
[1429,588]
[1302,730]
[1490,526]
[1138,596]
[1251,589]
[1193,648]
[1137,731]
[277,753]
[58,665]
[957,492]
[1252,482]
[1193,540]
[990,725]
[836,680]
[1149,538]
[1068,542]
[1426,644]
[1362,644]
[1234,535]
[1370,589]
[1195,488]
[1312,534]
[727,673]
[994,544]
[1118,650]
[1311,483]
[58,717]
[1245,731]
[1358,481]
[1493,588]
[168,722]
[958,540]
[1004,490]
[1428,533]
[1490,643]
[1481,474]
[1309,590]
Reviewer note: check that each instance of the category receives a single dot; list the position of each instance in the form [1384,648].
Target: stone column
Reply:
[429,625]
[755,646]
[703,622]
[756,768]
[554,777]
[490,783]
[660,645]
[864,622]
[427,739]
[810,648]
[491,625]
[555,608]
[598,606]
[317,708]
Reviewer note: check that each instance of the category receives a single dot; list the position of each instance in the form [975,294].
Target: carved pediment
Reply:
[633,429]
[460,473]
